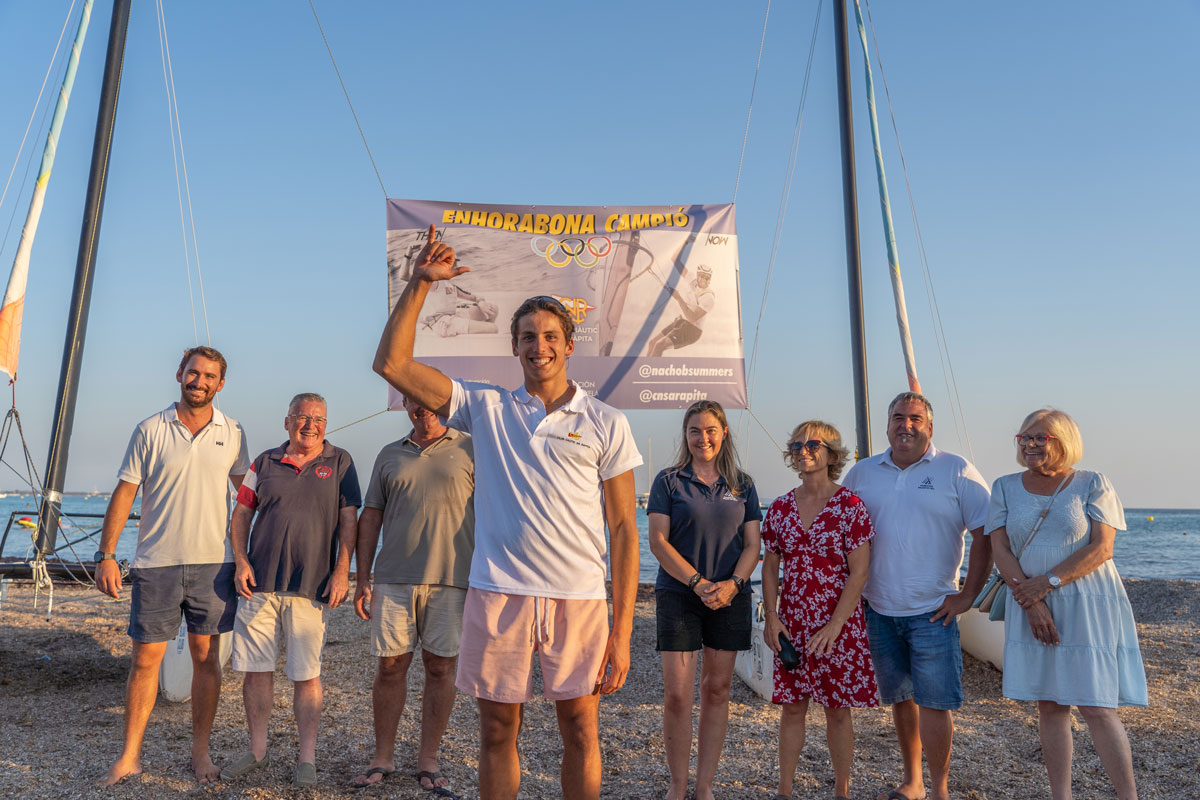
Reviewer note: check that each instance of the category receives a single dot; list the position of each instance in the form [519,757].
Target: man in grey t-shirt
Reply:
[421,498]
[183,460]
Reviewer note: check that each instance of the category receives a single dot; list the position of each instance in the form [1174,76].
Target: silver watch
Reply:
[1055,581]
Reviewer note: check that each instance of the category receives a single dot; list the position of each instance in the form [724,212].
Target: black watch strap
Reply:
[694,580]
[740,583]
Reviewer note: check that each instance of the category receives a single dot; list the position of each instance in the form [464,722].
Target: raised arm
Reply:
[620,514]
[394,356]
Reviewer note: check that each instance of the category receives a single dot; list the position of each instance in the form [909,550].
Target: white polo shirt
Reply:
[185,488]
[539,517]
[921,516]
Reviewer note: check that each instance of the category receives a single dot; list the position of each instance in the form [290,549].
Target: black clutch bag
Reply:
[788,656]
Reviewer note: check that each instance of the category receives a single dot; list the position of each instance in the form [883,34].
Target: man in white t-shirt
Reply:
[183,459]
[695,300]
[552,467]
[922,501]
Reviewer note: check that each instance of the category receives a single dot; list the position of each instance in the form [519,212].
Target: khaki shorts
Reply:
[501,632]
[257,627]
[403,614]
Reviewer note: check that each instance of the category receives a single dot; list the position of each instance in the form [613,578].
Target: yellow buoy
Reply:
[1149,519]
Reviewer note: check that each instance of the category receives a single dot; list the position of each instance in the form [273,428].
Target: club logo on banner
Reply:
[653,292]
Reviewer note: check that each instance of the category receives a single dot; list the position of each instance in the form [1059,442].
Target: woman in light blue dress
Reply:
[1070,638]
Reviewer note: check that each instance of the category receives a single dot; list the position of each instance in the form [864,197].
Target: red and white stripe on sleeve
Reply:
[247,495]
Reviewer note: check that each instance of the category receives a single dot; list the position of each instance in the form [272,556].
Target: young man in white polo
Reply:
[552,466]
[183,459]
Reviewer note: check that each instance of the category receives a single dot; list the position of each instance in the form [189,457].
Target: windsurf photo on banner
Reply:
[653,292]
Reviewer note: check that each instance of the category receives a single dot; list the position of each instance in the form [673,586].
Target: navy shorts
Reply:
[203,593]
[916,659]
[685,624]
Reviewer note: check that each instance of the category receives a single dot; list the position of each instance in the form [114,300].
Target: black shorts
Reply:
[681,332]
[686,624]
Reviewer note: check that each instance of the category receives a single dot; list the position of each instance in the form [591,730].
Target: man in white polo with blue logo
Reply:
[183,460]
[552,466]
[922,502]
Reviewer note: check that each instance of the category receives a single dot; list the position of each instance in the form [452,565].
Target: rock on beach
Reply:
[62,684]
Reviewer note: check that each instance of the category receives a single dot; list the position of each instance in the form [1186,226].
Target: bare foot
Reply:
[705,793]
[428,782]
[122,769]
[676,792]
[205,770]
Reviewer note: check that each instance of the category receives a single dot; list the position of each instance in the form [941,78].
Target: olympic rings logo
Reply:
[584,252]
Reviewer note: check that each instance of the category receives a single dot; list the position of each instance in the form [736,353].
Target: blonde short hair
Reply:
[839,454]
[1068,449]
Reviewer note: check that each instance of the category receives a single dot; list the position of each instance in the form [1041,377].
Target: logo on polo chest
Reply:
[926,484]
[323,472]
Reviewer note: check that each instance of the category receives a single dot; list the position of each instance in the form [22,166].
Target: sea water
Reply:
[1160,543]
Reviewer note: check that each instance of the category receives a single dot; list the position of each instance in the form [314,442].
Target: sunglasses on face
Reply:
[812,446]
[1038,439]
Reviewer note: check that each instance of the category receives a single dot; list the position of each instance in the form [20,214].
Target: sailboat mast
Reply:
[862,417]
[81,295]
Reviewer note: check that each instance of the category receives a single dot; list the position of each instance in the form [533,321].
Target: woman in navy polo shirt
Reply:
[704,531]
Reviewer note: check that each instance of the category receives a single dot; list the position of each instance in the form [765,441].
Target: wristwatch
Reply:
[694,580]
[740,583]
[101,556]
[1055,581]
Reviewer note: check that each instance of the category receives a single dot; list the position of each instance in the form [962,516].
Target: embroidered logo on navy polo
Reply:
[729,495]
[323,472]
[926,484]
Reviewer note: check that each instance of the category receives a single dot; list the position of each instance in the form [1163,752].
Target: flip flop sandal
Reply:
[438,791]
[382,772]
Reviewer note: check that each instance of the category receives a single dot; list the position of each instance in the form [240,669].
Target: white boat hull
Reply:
[981,637]
[756,666]
[175,674]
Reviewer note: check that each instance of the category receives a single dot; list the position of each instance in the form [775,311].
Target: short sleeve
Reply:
[858,528]
[242,464]
[1103,505]
[458,415]
[660,496]
[620,453]
[248,492]
[133,464]
[753,511]
[348,490]
[973,497]
[770,526]
[376,490]
[998,510]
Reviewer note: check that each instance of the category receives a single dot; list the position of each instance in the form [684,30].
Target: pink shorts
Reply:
[501,632]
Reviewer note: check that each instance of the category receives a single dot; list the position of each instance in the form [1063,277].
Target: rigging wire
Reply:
[41,130]
[785,197]
[354,114]
[184,188]
[956,407]
[364,419]
[753,86]
[36,103]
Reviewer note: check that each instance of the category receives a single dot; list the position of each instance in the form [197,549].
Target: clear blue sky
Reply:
[1051,149]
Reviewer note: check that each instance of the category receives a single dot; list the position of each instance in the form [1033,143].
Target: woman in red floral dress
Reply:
[821,532]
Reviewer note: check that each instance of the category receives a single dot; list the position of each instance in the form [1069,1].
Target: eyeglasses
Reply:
[812,446]
[1039,439]
[304,419]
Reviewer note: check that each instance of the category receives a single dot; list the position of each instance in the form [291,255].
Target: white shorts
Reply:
[263,617]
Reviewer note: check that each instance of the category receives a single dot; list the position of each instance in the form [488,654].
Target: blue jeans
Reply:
[916,659]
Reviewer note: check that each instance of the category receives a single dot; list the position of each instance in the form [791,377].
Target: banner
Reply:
[653,292]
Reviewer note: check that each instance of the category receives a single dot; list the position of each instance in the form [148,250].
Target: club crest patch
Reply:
[323,472]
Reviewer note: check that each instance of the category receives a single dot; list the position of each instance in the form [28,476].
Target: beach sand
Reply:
[62,684]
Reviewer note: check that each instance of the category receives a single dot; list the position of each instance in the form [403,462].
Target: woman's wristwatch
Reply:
[694,580]
[740,583]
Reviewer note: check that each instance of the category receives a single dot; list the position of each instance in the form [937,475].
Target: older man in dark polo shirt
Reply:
[291,569]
